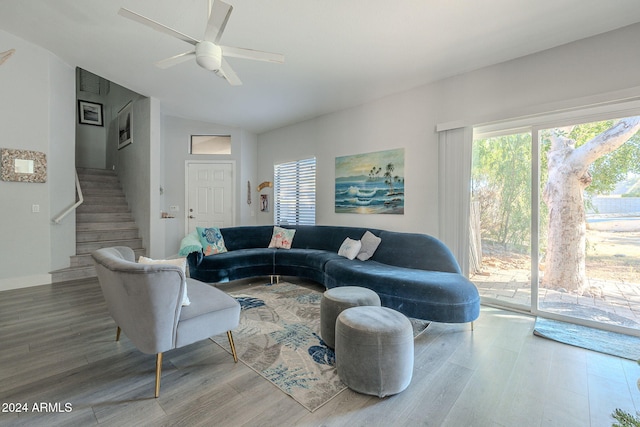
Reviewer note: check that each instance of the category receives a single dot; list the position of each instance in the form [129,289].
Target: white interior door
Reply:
[210,195]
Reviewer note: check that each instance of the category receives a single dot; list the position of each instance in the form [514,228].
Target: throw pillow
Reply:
[212,240]
[178,262]
[349,248]
[282,238]
[370,243]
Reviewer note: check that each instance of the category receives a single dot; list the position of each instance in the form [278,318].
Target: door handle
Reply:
[191,217]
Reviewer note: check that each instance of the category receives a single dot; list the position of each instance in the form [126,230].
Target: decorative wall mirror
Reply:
[24,165]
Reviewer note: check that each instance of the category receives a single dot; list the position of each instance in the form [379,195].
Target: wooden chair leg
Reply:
[158,372]
[471,326]
[233,346]
[118,333]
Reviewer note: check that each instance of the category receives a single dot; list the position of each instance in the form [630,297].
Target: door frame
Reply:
[187,163]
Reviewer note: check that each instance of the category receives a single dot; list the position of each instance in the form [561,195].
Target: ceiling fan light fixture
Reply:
[208,55]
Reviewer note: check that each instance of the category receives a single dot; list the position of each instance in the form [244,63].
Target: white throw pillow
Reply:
[178,262]
[349,248]
[282,237]
[370,243]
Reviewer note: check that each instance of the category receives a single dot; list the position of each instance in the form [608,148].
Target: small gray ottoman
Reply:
[335,300]
[374,350]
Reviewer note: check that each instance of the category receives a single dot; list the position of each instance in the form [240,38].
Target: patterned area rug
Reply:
[279,338]
[615,344]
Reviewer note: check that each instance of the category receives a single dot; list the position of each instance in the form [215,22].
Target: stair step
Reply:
[108,178]
[103,226]
[83,260]
[96,191]
[91,176]
[104,217]
[107,185]
[93,171]
[82,267]
[102,235]
[88,247]
[102,200]
[93,208]
[73,273]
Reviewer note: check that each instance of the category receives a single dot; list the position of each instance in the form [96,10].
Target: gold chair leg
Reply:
[118,333]
[158,372]
[233,346]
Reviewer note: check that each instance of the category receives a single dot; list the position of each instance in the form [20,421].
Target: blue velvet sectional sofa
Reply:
[415,274]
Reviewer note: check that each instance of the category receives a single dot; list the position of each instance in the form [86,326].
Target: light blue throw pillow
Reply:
[212,240]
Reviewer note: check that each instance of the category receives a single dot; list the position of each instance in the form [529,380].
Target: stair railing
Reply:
[60,217]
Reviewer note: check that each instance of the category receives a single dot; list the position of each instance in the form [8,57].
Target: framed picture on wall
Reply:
[90,113]
[124,126]
[370,183]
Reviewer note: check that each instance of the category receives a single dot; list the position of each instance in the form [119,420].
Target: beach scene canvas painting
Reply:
[370,183]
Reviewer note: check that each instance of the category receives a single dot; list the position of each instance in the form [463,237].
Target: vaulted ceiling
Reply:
[338,53]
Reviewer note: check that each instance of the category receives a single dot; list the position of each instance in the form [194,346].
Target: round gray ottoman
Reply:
[374,350]
[335,300]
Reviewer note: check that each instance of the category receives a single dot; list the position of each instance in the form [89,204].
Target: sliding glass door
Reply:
[555,221]
[589,240]
[501,218]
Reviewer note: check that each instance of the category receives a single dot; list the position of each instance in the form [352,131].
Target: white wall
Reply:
[176,134]
[133,163]
[247,172]
[62,171]
[595,69]
[31,82]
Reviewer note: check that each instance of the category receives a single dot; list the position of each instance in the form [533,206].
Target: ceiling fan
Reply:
[208,53]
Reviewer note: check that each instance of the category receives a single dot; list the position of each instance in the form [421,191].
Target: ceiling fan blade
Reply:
[228,73]
[156,25]
[177,59]
[218,17]
[258,55]
[6,55]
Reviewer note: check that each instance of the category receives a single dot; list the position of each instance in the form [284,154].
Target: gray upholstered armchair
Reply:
[146,303]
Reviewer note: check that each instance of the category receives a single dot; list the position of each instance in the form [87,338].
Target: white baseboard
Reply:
[24,282]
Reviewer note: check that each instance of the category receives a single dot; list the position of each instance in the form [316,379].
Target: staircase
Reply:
[103,220]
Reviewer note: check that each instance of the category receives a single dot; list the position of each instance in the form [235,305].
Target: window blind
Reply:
[454,195]
[295,192]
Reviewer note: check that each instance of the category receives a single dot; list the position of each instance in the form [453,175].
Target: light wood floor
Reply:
[57,347]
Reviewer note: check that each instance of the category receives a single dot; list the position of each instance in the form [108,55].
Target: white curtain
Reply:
[454,191]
